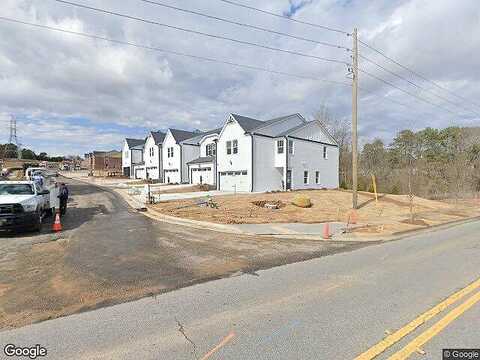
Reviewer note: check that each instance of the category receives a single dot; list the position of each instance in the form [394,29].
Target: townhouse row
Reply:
[244,155]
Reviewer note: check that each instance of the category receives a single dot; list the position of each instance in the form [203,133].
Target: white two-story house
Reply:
[176,155]
[152,158]
[202,169]
[279,154]
[132,156]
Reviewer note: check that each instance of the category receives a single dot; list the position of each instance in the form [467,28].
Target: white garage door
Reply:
[202,175]
[172,177]
[234,181]
[140,173]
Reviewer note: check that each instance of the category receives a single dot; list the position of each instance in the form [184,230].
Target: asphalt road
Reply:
[333,307]
[108,254]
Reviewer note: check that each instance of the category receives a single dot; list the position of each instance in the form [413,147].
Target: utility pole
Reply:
[354,120]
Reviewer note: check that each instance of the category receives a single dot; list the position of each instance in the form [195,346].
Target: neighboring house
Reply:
[279,154]
[176,156]
[132,155]
[152,167]
[202,169]
[104,163]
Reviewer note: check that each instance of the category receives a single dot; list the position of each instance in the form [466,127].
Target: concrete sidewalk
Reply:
[291,228]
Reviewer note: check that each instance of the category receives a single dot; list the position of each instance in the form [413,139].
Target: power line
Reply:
[202,33]
[284,17]
[406,92]
[415,73]
[153,48]
[244,24]
[416,85]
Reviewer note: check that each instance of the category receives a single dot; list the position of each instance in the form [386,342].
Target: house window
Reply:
[210,150]
[151,151]
[290,147]
[235,146]
[170,152]
[229,147]
[305,177]
[280,147]
[325,155]
[317,177]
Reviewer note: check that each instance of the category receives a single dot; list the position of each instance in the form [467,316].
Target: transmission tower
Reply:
[12,149]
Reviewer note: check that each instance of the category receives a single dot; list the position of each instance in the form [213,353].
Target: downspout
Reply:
[286,163]
[160,167]
[215,166]
[181,167]
[251,162]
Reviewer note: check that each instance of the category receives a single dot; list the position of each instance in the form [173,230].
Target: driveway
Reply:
[110,254]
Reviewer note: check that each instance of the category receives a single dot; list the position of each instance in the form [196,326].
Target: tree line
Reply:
[431,163]
[11,151]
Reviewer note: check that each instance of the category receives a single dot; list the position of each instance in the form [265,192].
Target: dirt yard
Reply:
[391,214]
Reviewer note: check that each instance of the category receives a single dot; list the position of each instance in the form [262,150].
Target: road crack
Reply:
[181,329]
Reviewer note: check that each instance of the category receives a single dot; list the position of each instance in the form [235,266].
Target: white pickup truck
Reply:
[23,205]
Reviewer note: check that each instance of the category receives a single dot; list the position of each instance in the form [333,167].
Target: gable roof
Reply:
[247,123]
[251,125]
[202,159]
[158,136]
[197,139]
[291,132]
[134,142]
[180,135]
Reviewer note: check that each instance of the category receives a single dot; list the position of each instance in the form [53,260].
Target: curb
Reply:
[202,225]
[196,223]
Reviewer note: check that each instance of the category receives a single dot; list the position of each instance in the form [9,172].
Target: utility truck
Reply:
[23,205]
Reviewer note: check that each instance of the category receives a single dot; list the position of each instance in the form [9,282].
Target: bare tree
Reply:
[341,131]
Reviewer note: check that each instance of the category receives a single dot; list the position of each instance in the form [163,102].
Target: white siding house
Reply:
[152,158]
[279,154]
[132,156]
[202,169]
[176,156]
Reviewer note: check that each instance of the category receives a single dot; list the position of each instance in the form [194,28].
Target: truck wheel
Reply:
[39,223]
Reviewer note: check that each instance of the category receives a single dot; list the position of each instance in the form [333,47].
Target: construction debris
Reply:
[269,204]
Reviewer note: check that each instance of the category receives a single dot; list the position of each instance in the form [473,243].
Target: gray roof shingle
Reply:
[202,159]
[134,142]
[180,135]
[158,136]
[252,125]
[196,140]
[247,123]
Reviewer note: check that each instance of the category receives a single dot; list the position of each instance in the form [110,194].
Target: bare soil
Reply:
[109,254]
[390,214]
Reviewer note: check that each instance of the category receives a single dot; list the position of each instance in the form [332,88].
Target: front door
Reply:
[289,180]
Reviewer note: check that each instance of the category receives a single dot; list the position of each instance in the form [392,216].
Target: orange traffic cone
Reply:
[57,225]
[326,231]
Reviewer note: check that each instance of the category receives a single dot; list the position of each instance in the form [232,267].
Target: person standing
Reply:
[38,178]
[63,196]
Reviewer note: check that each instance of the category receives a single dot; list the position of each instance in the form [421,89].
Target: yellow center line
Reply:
[222,343]
[390,340]
[435,329]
